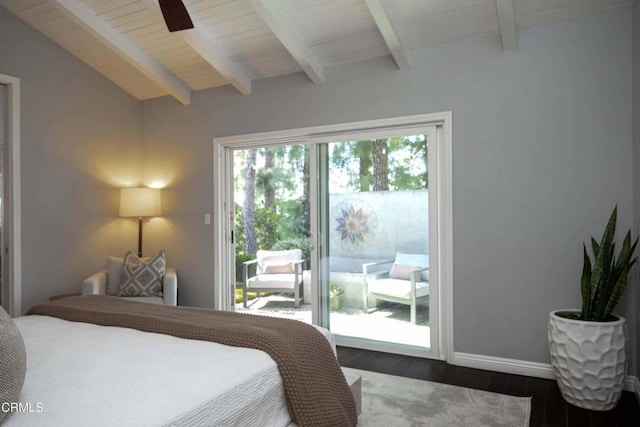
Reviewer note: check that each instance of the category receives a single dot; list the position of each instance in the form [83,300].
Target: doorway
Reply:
[354,223]
[10,262]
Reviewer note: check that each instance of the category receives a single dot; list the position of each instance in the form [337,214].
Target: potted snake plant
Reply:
[588,347]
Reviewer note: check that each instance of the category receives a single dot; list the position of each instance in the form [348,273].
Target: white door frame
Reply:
[296,136]
[11,239]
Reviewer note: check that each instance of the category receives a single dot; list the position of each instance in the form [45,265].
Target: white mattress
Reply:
[82,374]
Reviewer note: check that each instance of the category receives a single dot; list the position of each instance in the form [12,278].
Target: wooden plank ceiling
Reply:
[237,41]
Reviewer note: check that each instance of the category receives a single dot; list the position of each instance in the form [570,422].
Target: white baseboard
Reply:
[635,386]
[499,364]
[523,367]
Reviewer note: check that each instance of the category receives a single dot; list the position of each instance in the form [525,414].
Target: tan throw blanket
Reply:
[316,390]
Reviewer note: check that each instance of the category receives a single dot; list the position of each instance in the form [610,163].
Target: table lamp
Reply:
[139,202]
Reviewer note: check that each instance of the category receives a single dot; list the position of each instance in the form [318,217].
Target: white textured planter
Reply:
[589,360]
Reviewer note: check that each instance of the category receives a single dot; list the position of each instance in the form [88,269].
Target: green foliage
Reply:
[238,230]
[603,283]
[267,225]
[335,291]
[240,258]
[292,221]
[302,243]
[408,168]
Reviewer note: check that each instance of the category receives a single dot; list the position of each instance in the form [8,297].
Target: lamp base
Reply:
[140,237]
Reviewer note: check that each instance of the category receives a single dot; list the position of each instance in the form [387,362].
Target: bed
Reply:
[90,374]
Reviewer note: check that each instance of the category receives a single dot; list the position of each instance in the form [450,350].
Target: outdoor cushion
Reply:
[397,288]
[273,281]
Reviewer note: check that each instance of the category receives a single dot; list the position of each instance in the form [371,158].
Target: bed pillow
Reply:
[141,278]
[13,361]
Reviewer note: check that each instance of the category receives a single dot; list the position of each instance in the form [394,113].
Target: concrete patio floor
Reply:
[389,323]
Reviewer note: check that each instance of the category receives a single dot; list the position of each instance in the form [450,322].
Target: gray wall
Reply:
[542,152]
[3,94]
[634,282]
[80,142]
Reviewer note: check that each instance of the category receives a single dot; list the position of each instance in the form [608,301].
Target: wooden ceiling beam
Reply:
[276,19]
[390,35]
[86,18]
[210,53]
[507,21]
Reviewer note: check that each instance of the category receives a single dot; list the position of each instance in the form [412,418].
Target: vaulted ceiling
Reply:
[237,41]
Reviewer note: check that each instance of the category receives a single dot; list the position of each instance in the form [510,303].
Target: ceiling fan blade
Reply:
[175,15]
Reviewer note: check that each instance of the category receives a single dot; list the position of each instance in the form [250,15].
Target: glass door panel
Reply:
[271,187]
[374,222]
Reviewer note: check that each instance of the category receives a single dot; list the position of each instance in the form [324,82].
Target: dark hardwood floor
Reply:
[548,408]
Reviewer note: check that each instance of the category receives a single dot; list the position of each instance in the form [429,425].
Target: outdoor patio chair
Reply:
[404,280]
[276,271]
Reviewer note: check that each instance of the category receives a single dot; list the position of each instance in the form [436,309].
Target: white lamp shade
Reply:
[139,202]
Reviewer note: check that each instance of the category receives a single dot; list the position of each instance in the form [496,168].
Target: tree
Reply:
[306,197]
[248,211]
[380,161]
[269,187]
[299,158]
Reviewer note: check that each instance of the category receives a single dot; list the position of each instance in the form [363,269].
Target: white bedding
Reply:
[80,374]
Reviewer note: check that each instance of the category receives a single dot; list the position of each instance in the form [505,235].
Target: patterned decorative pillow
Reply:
[142,278]
[13,361]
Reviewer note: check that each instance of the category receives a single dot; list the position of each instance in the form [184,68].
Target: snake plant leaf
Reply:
[603,262]
[622,267]
[599,276]
[595,246]
[610,275]
[585,285]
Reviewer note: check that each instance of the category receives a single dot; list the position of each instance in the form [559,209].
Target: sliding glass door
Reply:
[362,208]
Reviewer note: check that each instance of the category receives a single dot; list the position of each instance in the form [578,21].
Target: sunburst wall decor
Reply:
[355,223]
